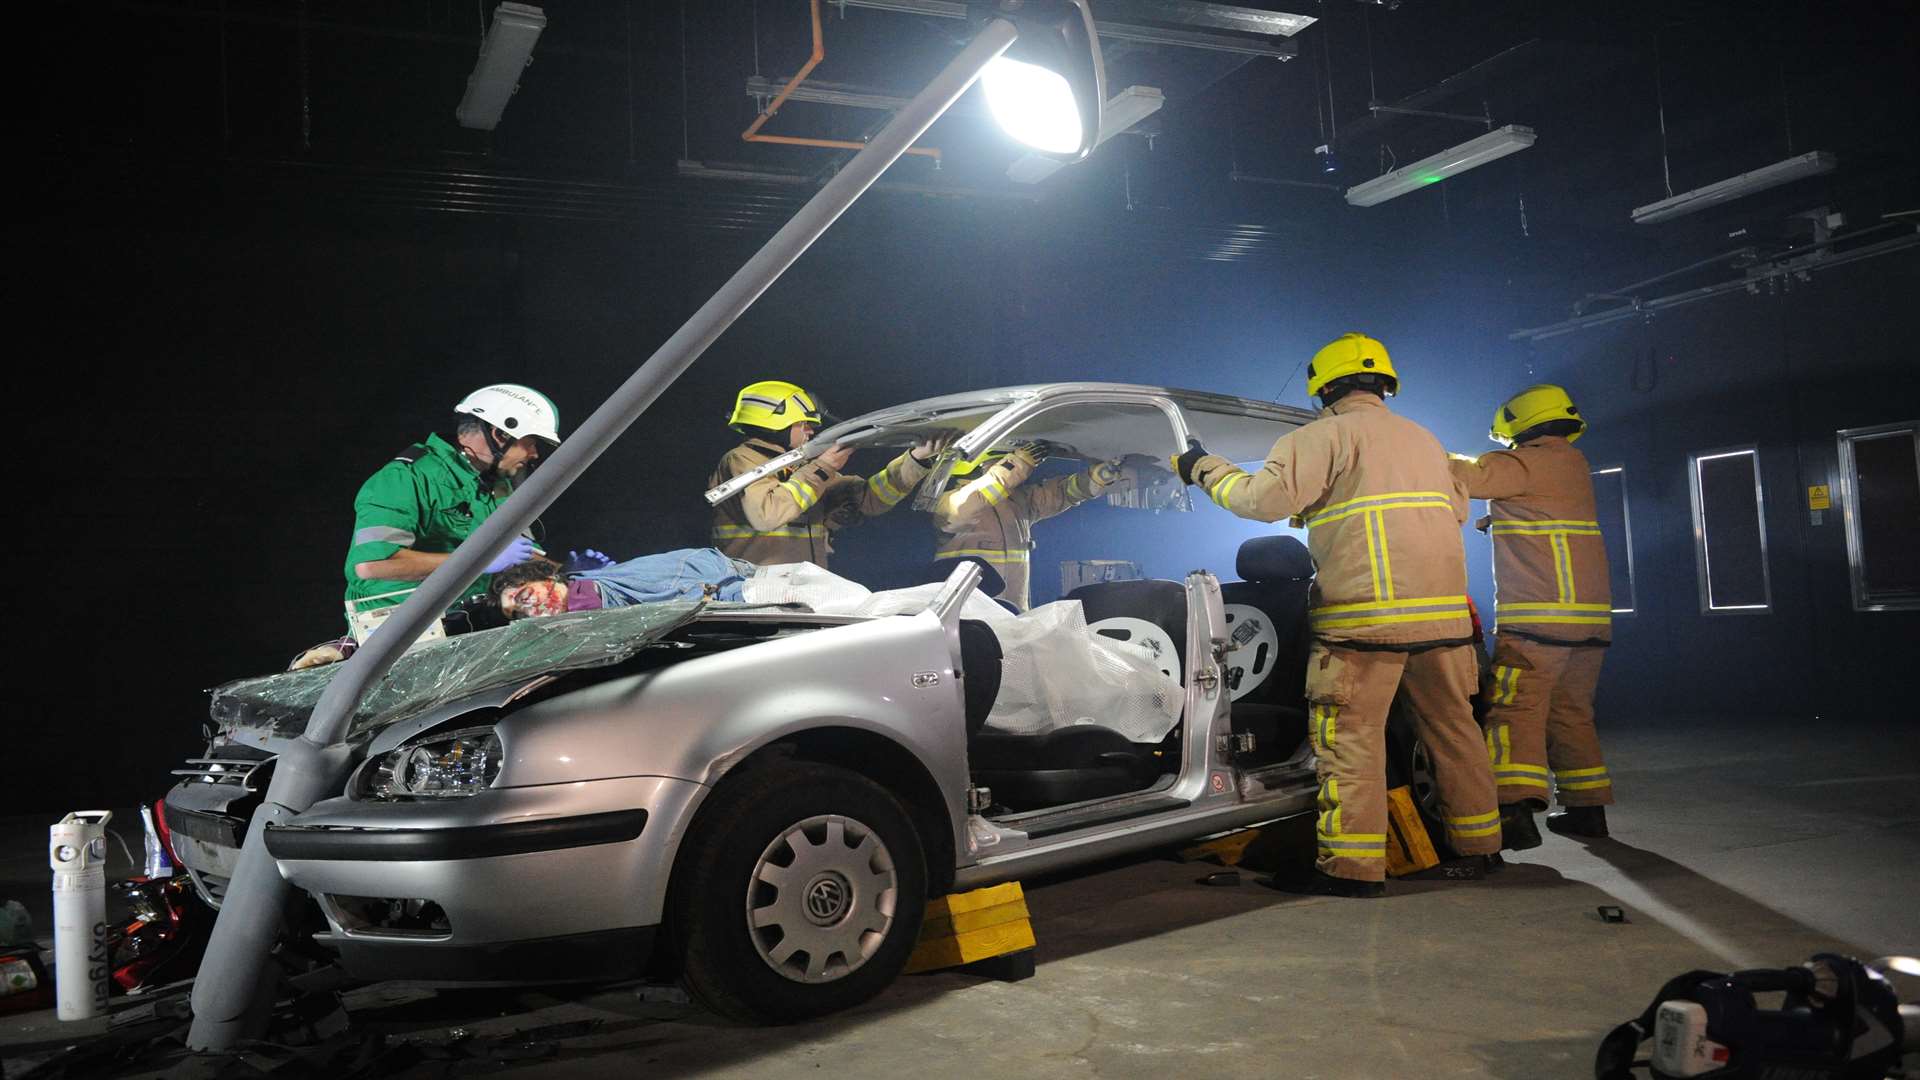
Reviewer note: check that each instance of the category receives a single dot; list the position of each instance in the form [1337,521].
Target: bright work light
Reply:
[1048,88]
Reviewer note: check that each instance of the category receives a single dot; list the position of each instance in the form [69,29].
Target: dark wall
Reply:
[1783,370]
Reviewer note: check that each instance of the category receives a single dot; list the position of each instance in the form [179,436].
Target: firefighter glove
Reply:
[1184,463]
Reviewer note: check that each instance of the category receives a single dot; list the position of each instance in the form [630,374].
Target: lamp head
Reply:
[1048,88]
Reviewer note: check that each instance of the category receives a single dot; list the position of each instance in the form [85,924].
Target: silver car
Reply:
[764,797]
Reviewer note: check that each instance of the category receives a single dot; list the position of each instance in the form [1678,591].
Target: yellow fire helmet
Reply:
[773,405]
[1532,407]
[1350,354]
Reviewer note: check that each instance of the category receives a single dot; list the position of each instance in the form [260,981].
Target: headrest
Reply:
[1274,558]
[991,583]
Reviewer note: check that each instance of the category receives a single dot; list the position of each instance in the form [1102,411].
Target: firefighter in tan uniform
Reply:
[989,511]
[1388,609]
[789,516]
[1552,612]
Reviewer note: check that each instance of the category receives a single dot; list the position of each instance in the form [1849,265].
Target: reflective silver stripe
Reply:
[382,534]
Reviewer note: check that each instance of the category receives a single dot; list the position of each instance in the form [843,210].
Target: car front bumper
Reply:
[553,883]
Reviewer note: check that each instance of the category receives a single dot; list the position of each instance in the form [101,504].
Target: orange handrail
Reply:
[752,134]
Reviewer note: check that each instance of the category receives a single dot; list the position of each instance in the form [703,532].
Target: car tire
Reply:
[1410,765]
[756,946]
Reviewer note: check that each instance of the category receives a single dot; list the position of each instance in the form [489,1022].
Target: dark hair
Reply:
[537,568]
[1373,383]
[1562,428]
[465,424]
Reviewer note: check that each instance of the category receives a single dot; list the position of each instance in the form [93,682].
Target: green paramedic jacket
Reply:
[428,498]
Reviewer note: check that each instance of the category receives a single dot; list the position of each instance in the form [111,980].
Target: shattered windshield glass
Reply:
[442,671]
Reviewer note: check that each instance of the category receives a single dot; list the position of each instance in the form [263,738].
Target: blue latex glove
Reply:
[585,560]
[516,553]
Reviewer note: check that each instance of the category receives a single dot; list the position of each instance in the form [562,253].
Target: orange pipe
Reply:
[752,134]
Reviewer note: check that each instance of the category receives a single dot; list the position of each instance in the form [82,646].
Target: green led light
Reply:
[1431,179]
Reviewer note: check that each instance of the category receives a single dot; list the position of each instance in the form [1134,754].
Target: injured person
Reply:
[1055,672]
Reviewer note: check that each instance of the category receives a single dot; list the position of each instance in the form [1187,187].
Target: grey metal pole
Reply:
[234,990]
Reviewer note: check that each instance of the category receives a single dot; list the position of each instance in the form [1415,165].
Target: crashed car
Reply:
[763,797]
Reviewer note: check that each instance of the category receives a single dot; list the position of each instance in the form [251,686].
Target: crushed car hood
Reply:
[435,674]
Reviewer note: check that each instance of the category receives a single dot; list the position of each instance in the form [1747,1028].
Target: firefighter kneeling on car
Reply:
[1552,613]
[1389,609]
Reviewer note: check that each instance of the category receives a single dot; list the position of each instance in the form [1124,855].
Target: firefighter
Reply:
[989,510]
[1388,610]
[788,516]
[1552,616]
[417,508]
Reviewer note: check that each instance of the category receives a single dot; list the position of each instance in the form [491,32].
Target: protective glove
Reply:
[927,452]
[1032,454]
[515,553]
[585,560]
[1183,463]
[1105,473]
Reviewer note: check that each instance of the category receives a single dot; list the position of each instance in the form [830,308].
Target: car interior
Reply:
[1083,762]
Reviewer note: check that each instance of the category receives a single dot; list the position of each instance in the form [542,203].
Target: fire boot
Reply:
[1517,830]
[1587,821]
[1306,882]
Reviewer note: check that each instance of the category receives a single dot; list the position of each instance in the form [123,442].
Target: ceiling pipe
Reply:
[752,134]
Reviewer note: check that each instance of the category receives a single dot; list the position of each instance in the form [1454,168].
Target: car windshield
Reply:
[439,672]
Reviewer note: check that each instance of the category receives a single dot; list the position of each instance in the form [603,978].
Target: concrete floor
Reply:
[1736,845]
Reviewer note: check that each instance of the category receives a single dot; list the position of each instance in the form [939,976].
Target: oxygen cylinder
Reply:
[77,851]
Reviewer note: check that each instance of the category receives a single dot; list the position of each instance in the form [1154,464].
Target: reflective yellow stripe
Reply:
[1373,555]
[1587,620]
[1506,683]
[1385,496]
[1501,779]
[1585,785]
[1372,620]
[1474,819]
[1073,486]
[1324,517]
[1547,605]
[993,492]
[1548,525]
[990,554]
[1323,724]
[802,492]
[1386,557]
[1477,830]
[1223,490]
[1383,605]
[1514,766]
[1563,566]
[1597,770]
[882,486]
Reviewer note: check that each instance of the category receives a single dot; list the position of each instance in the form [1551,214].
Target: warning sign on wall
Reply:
[1817,497]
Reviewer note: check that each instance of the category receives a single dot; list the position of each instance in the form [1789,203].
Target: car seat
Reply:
[1267,621]
[1086,761]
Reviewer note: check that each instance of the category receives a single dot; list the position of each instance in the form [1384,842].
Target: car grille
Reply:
[235,771]
[207,828]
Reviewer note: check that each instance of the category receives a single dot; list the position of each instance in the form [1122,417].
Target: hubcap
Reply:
[821,899]
[1426,793]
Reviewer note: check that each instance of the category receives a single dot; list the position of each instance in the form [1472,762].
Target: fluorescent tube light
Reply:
[1747,183]
[504,52]
[1497,143]
[1122,111]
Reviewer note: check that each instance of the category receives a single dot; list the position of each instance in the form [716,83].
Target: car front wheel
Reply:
[801,893]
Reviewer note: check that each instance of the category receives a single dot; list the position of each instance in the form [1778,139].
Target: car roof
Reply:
[1104,424]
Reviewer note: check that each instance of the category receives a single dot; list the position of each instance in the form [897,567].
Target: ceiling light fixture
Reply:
[1122,111]
[1737,187]
[504,53]
[1495,144]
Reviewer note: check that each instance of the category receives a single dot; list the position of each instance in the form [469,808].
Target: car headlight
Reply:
[442,766]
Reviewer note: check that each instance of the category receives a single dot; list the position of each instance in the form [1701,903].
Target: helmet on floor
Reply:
[514,411]
[1532,407]
[1350,354]
[773,405]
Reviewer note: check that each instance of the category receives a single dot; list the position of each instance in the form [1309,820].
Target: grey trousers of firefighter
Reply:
[1349,692]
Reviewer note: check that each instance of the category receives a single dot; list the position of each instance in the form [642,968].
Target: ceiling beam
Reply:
[1188,13]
